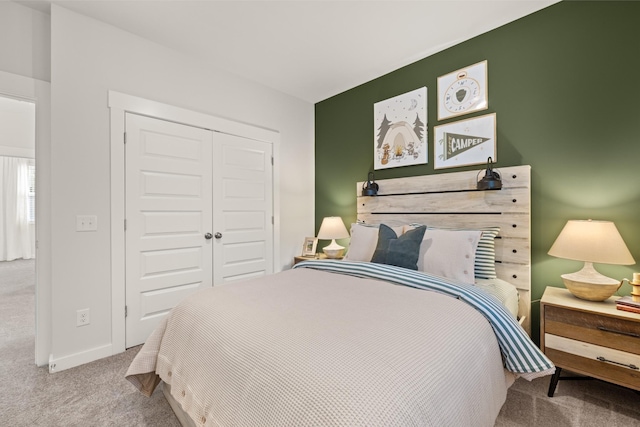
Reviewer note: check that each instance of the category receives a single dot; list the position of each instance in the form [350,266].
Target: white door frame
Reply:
[39,92]
[119,104]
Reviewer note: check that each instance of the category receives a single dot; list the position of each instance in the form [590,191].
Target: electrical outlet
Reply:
[82,317]
[86,223]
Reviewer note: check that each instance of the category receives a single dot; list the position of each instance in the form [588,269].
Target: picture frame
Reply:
[400,130]
[309,246]
[465,142]
[463,91]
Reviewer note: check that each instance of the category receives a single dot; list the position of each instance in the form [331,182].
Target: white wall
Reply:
[89,58]
[24,41]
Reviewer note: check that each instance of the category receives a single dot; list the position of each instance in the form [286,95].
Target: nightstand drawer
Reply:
[591,351]
[591,366]
[614,333]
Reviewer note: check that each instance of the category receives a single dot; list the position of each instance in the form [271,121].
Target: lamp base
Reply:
[334,250]
[590,285]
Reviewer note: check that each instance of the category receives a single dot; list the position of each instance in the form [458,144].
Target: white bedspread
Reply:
[313,348]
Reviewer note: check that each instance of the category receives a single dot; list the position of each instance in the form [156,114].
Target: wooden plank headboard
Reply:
[452,200]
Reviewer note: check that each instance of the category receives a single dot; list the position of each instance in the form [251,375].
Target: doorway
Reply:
[17,222]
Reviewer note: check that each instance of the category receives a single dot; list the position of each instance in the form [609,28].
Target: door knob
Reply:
[218,235]
[208,236]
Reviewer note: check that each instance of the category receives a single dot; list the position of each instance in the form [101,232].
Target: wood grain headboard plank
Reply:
[512,177]
[516,274]
[452,200]
[512,251]
[506,222]
[464,201]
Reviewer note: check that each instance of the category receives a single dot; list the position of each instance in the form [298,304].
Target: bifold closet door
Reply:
[169,246]
[243,208]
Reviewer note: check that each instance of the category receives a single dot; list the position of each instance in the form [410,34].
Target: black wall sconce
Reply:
[370,188]
[491,179]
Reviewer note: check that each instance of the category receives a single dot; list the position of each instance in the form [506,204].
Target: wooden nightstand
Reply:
[590,338]
[301,258]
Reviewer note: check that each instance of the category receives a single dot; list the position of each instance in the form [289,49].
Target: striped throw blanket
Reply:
[520,354]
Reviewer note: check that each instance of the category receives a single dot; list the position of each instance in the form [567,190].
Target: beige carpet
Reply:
[96,394]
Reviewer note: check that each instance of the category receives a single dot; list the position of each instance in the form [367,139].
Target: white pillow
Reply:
[364,239]
[485,264]
[449,253]
[504,291]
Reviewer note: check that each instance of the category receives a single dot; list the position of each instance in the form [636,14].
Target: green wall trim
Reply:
[564,85]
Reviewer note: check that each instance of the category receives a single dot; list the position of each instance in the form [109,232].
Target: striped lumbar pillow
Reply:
[485,265]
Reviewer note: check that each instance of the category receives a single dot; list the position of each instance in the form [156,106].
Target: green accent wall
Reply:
[565,85]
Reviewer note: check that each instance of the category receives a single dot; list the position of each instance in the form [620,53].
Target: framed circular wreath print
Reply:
[463,91]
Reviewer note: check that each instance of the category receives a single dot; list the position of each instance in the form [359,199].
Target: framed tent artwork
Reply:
[465,142]
[400,130]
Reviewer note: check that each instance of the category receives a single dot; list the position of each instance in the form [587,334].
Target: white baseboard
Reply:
[57,364]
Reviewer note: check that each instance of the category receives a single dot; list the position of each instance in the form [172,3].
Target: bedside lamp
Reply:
[591,241]
[333,228]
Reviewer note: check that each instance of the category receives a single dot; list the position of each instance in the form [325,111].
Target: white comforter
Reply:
[314,348]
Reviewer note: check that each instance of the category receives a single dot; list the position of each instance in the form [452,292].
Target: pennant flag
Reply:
[456,143]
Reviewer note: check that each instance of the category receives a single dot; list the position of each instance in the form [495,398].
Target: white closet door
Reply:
[168,212]
[243,208]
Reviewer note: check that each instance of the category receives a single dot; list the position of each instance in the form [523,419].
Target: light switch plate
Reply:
[86,223]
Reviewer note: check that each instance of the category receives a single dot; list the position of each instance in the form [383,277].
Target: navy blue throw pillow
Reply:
[400,251]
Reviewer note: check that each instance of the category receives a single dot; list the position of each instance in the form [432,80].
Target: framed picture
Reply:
[463,91]
[309,247]
[400,130]
[465,142]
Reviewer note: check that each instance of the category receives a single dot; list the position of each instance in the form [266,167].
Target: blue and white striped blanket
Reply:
[520,354]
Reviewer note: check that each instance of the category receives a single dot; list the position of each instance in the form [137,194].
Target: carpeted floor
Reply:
[96,394]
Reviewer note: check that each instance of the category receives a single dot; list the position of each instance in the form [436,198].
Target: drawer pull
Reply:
[630,365]
[630,334]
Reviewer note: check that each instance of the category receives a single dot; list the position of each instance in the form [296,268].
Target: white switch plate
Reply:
[86,223]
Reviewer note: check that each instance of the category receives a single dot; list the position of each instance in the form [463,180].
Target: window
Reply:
[32,193]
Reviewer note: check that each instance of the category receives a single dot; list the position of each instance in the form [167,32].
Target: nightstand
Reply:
[301,258]
[590,338]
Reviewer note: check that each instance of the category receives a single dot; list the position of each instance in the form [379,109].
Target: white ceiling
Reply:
[309,49]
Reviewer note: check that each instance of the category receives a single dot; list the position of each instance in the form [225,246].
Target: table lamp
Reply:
[591,241]
[333,228]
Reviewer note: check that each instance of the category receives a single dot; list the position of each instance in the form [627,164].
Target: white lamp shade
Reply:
[332,227]
[591,241]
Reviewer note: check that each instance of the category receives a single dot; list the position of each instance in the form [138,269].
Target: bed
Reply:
[354,342]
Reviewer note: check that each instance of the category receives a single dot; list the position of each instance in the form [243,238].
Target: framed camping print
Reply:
[465,142]
[400,130]
[463,91]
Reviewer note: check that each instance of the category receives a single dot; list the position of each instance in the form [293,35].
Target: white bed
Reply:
[346,343]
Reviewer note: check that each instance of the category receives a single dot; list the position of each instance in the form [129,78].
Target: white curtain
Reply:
[15,232]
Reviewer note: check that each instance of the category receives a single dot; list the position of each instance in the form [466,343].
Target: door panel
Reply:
[173,185]
[243,201]
[164,223]
[168,211]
